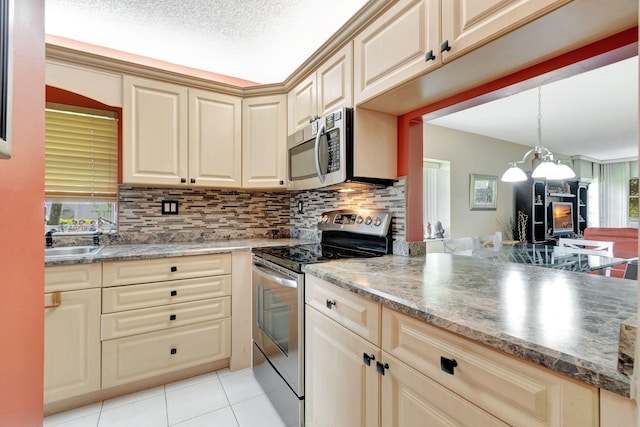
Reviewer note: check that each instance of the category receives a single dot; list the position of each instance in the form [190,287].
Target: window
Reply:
[81,168]
[633,199]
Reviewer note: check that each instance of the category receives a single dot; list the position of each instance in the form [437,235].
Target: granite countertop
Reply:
[566,321]
[142,251]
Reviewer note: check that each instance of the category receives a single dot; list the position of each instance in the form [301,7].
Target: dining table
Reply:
[551,256]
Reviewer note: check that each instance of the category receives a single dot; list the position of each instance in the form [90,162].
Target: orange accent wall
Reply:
[594,55]
[21,228]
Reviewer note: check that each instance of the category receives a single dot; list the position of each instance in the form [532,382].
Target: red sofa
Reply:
[625,243]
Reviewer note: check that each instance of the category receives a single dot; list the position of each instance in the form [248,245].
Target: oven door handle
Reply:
[317,149]
[275,277]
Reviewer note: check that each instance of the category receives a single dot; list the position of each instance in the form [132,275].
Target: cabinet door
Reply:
[264,142]
[301,104]
[71,344]
[335,81]
[340,389]
[154,143]
[410,399]
[392,49]
[468,24]
[215,139]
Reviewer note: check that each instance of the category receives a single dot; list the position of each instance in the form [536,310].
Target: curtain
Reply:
[614,183]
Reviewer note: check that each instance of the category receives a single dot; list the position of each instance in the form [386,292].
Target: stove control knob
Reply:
[323,219]
[359,219]
[368,221]
[377,221]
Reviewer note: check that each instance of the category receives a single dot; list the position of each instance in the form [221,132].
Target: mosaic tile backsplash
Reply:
[212,214]
[203,214]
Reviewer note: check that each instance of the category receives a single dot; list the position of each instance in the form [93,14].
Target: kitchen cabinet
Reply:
[71,331]
[163,315]
[414,37]
[264,136]
[425,375]
[328,89]
[174,135]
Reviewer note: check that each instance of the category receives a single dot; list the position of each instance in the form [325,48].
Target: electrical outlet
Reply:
[169,207]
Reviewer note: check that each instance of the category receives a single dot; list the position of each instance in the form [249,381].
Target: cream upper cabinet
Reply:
[264,142]
[401,44]
[154,140]
[215,139]
[329,88]
[173,135]
[468,24]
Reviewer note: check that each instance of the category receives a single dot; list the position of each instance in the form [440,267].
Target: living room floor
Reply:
[222,399]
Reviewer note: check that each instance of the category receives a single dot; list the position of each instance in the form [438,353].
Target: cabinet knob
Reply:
[281,182]
[367,358]
[193,180]
[174,350]
[172,317]
[174,269]
[174,293]
[444,46]
[429,56]
[330,303]
[447,365]
[381,367]
[183,180]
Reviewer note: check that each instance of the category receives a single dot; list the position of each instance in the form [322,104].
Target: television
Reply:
[561,218]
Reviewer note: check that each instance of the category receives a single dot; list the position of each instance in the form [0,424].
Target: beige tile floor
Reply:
[221,399]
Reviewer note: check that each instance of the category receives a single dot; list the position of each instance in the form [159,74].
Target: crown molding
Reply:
[103,62]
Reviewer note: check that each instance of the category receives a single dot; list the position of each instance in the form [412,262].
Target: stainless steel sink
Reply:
[69,251]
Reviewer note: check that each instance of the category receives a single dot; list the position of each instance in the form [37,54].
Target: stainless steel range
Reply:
[278,299]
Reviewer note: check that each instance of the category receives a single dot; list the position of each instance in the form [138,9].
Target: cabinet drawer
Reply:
[516,391]
[132,297]
[72,277]
[158,269]
[125,323]
[143,356]
[356,313]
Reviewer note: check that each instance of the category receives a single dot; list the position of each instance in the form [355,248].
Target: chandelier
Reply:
[543,164]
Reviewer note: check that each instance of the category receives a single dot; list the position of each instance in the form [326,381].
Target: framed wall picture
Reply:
[483,192]
[6,81]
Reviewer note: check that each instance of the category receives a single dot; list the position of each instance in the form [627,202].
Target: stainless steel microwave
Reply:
[322,154]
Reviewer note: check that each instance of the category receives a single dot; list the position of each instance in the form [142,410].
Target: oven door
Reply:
[278,301]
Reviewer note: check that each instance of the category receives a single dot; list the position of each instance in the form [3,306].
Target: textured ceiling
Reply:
[594,114]
[256,40]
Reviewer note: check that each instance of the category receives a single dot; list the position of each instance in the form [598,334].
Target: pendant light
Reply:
[542,163]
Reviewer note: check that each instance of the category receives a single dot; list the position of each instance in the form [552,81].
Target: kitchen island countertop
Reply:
[566,321]
[162,250]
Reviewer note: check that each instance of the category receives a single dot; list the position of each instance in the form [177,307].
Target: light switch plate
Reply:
[169,207]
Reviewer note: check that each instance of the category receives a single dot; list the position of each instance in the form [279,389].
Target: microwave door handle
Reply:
[274,277]
[318,136]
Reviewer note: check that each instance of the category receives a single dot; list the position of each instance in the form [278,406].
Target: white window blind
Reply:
[81,152]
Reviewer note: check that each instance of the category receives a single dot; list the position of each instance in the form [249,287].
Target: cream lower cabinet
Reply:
[174,135]
[71,331]
[163,315]
[425,375]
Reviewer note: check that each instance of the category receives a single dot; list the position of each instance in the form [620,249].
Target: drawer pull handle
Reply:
[367,358]
[447,365]
[429,56]
[174,350]
[381,367]
[56,300]
[172,317]
[330,303]
[174,293]
[174,269]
